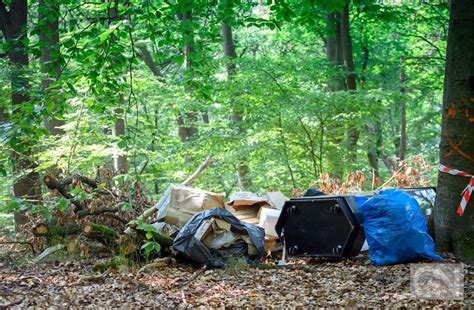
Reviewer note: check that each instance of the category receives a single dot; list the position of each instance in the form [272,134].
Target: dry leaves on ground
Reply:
[352,282]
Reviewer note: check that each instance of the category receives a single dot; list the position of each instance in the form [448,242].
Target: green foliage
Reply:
[293,125]
[150,248]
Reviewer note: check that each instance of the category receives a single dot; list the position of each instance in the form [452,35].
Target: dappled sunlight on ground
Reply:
[352,282]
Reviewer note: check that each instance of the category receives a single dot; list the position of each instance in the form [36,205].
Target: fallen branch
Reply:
[157,237]
[158,263]
[48,252]
[389,180]
[101,233]
[92,183]
[193,277]
[49,231]
[54,184]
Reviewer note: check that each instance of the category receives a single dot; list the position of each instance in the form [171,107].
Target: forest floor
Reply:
[65,282]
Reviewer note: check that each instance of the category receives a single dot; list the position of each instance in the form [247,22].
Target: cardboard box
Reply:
[185,201]
[204,229]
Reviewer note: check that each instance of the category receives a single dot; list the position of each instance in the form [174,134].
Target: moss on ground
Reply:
[466,248]
[7,224]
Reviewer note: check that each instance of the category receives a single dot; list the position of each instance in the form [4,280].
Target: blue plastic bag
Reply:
[396,229]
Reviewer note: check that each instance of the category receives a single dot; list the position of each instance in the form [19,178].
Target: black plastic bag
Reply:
[186,244]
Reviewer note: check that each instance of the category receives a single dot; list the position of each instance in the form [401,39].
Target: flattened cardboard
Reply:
[186,201]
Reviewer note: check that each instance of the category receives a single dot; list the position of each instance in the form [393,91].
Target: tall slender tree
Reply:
[48,21]
[353,133]
[187,120]
[13,23]
[237,113]
[403,112]
[118,128]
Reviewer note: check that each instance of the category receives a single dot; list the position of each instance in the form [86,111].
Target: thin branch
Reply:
[74,139]
[243,52]
[198,171]
[148,60]
[425,40]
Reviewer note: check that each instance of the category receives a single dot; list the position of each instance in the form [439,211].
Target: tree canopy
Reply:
[160,68]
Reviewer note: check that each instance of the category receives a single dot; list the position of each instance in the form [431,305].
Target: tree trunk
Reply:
[243,179]
[13,25]
[454,232]
[48,19]
[187,121]
[102,233]
[334,53]
[56,231]
[373,129]
[331,37]
[403,116]
[339,53]
[148,60]
[352,132]
[118,128]
[374,141]
[347,49]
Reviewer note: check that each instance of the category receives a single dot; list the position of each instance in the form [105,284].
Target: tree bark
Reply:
[48,20]
[148,60]
[403,113]
[347,49]
[352,132]
[118,128]
[454,232]
[243,179]
[187,120]
[334,52]
[101,233]
[374,132]
[339,53]
[118,131]
[56,231]
[330,41]
[374,141]
[13,24]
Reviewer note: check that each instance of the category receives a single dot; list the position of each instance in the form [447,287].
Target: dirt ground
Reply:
[71,282]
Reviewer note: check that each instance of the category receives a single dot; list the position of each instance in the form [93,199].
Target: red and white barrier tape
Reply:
[466,193]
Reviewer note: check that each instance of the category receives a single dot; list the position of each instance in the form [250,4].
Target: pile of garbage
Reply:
[200,226]
[207,230]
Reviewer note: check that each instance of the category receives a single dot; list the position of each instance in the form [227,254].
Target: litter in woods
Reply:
[334,223]
[212,236]
[393,221]
[246,206]
[200,226]
[184,202]
[323,226]
[396,229]
[181,205]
